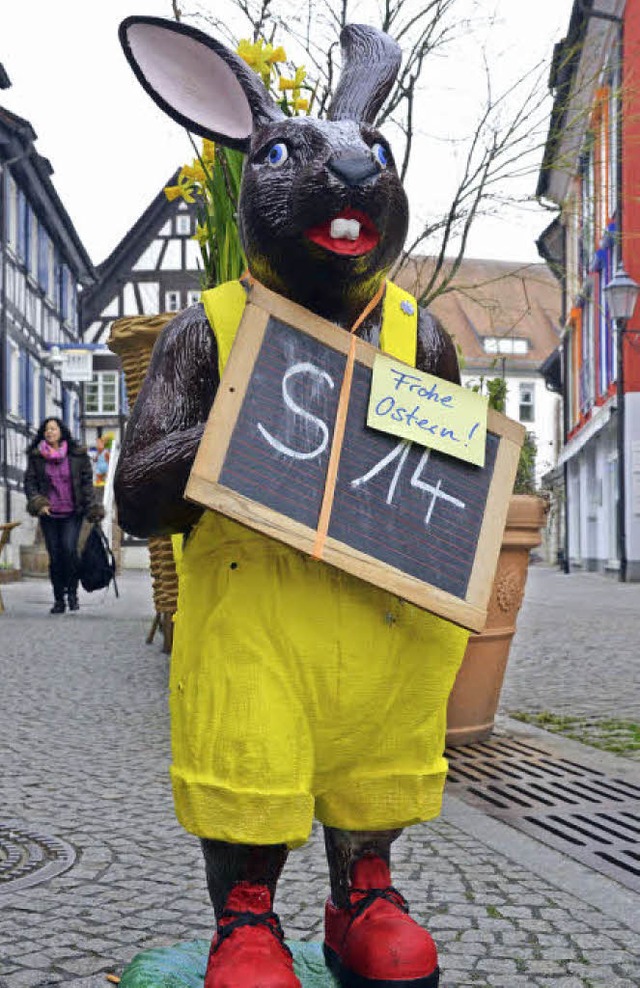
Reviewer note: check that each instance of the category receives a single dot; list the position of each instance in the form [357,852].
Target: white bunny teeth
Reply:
[342,229]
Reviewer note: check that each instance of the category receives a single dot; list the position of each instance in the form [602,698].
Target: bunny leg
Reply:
[344,847]
[228,864]
[370,939]
[248,948]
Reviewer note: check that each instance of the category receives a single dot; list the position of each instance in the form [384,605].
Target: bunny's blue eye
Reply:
[380,154]
[278,154]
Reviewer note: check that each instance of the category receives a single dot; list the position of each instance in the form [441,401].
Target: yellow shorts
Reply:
[300,691]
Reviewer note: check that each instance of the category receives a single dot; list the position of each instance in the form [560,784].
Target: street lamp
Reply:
[621,293]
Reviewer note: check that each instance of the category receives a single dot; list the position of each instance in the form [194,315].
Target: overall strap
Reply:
[224,306]
[399,333]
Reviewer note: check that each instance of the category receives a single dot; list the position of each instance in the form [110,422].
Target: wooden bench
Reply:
[5,533]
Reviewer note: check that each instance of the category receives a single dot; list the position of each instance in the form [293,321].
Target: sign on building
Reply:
[77,365]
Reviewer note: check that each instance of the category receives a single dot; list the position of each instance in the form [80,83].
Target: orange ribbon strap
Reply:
[338,432]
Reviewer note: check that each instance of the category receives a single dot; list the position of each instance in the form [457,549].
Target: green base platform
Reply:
[184,965]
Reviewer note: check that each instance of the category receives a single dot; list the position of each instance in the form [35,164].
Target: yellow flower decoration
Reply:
[260,57]
[208,151]
[201,234]
[293,86]
[183,189]
[194,173]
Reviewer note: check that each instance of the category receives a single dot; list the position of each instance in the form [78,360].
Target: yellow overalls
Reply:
[297,690]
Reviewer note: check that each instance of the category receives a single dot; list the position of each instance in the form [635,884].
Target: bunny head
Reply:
[323,214]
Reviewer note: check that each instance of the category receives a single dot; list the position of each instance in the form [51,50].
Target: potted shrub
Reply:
[474,699]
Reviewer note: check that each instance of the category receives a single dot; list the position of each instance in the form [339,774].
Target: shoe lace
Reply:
[235,919]
[368,896]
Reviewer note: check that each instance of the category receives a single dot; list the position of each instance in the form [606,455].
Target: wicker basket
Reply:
[133,339]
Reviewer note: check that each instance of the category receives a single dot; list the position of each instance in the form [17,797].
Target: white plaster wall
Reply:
[547,406]
[575,533]
[632,476]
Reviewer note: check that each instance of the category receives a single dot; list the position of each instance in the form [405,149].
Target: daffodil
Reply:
[300,103]
[293,85]
[201,234]
[259,57]
[194,173]
[277,55]
[184,190]
[208,151]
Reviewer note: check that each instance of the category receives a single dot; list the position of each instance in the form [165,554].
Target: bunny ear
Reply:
[370,63]
[196,80]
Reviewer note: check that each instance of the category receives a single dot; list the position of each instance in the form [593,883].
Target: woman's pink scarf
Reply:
[51,454]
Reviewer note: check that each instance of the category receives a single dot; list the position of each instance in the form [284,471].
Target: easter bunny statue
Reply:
[296,690]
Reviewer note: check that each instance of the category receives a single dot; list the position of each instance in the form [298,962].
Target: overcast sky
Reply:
[112,149]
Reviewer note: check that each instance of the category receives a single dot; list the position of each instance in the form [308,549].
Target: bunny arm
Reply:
[165,428]
[170,413]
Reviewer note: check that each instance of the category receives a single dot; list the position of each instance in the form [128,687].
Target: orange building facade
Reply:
[591,171]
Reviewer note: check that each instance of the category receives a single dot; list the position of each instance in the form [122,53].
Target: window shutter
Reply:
[22,226]
[43,396]
[22,384]
[6,383]
[30,391]
[64,291]
[43,259]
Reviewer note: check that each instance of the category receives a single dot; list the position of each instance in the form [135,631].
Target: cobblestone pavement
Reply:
[84,742]
[577,647]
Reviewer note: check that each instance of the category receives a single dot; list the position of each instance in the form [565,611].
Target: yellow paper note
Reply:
[427,410]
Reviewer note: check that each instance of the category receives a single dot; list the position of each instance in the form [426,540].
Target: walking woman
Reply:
[59,488]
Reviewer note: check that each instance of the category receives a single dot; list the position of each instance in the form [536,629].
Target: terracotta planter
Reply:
[474,699]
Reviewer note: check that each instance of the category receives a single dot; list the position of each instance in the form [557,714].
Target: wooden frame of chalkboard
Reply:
[420,524]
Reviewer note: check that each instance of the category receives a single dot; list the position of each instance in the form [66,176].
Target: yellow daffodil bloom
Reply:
[194,173]
[183,189]
[208,151]
[201,234]
[257,57]
[278,55]
[300,104]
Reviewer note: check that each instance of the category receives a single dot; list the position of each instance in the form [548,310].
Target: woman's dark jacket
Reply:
[36,482]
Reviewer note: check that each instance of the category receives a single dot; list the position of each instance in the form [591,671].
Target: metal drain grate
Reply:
[575,809]
[28,858]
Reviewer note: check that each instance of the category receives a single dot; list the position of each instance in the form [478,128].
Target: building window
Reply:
[183,224]
[193,297]
[513,345]
[101,394]
[527,407]
[172,301]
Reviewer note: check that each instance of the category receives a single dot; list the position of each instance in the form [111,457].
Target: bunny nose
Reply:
[353,169]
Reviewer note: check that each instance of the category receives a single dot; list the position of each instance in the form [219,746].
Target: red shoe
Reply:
[374,943]
[248,949]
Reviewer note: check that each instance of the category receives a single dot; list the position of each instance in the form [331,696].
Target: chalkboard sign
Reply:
[419,523]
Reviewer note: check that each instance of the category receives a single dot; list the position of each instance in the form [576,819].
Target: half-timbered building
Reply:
[42,263]
[155,268]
